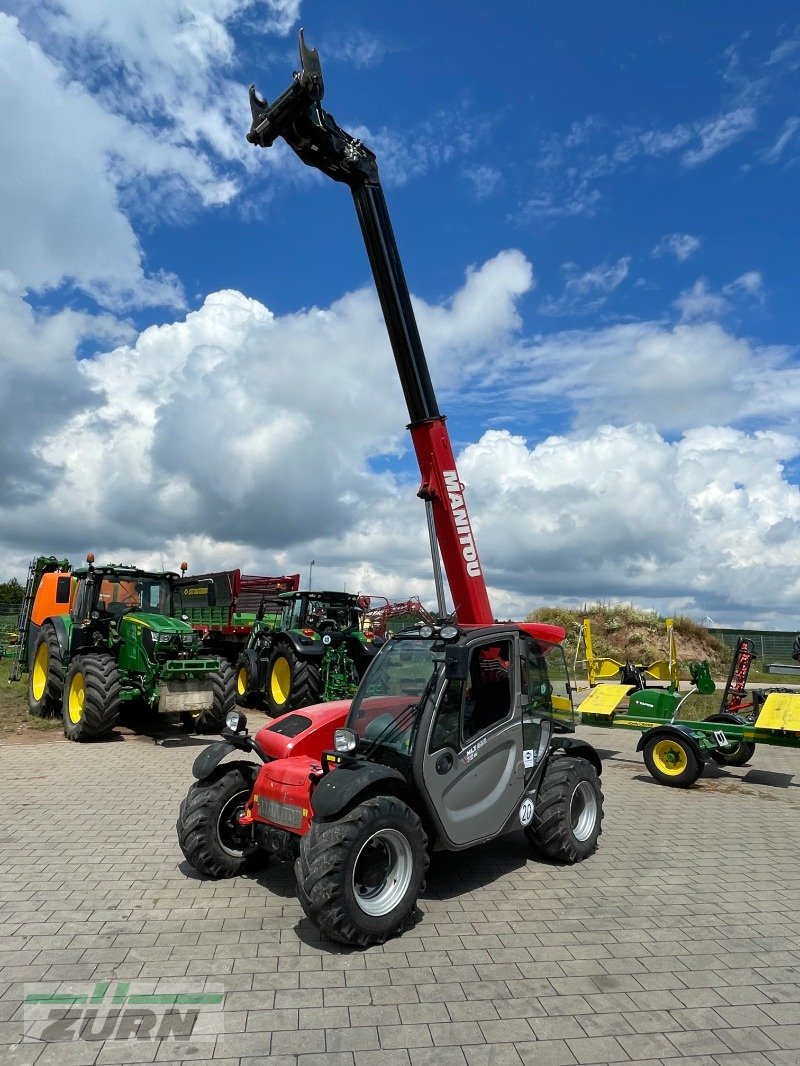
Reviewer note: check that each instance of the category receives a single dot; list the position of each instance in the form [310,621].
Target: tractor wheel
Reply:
[46,680]
[91,704]
[739,752]
[292,681]
[223,683]
[248,679]
[672,761]
[209,833]
[359,877]
[568,815]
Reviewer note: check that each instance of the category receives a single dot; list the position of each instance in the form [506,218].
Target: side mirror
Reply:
[456,663]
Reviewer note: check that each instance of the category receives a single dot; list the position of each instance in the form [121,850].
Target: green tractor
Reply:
[101,639]
[318,652]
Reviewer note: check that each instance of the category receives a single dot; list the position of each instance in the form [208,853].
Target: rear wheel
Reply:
[737,753]
[91,703]
[46,679]
[359,877]
[292,681]
[223,682]
[208,827]
[672,761]
[568,815]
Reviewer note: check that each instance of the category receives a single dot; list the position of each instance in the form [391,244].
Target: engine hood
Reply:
[159,623]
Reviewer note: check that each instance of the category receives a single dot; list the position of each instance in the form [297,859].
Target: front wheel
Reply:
[672,761]
[292,681]
[359,877]
[568,815]
[91,704]
[248,678]
[223,684]
[208,827]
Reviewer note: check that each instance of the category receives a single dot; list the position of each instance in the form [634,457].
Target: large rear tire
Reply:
[223,683]
[359,877]
[91,703]
[249,679]
[209,834]
[292,681]
[46,679]
[568,814]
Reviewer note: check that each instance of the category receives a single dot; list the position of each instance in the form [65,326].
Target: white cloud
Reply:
[790,128]
[585,292]
[720,134]
[681,245]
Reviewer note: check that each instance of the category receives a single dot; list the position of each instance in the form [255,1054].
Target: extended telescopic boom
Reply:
[298,117]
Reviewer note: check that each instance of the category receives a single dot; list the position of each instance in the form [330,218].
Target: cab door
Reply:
[472,766]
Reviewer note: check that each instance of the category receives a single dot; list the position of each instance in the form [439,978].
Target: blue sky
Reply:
[596,208]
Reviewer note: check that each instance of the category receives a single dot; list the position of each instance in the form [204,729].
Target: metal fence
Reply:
[771,646]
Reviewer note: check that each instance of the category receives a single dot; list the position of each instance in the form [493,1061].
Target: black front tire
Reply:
[249,679]
[568,814]
[223,683]
[672,761]
[46,678]
[359,877]
[292,681]
[208,832]
[91,703]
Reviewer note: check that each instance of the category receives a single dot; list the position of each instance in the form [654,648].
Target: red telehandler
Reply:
[456,734]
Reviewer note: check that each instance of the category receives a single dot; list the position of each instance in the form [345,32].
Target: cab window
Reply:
[469,708]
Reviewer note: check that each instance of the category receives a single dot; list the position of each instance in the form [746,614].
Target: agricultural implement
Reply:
[676,750]
[603,668]
[317,649]
[102,639]
[456,734]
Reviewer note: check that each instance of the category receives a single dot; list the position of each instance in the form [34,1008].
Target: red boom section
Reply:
[442,486]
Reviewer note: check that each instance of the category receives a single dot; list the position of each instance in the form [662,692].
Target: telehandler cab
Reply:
[456,733]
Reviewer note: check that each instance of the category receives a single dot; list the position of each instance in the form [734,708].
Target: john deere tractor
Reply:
[101,638]
[318,652]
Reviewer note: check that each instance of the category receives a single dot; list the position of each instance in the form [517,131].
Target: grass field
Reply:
[14,718]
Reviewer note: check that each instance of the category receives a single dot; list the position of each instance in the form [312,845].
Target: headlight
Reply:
[344,740]
[448,632]
[235,721]
[187,638]
[163,638]
[425,631]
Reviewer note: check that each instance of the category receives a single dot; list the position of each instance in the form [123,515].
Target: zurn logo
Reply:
[455,493]
[122,1011]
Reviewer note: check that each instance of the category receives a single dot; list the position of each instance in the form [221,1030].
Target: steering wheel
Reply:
[325,625]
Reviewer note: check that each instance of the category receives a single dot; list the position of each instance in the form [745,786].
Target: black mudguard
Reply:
[341,786]
[210,758]
[684,731]
[578,749]
[305,651]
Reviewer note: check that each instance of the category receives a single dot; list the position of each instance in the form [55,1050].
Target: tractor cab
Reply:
[466,716]
[320,611]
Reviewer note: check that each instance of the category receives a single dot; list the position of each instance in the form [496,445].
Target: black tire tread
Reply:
[101,705]
[223,682]
[50,703]
[549,832]
[323,858]
[197,823]
[306,680]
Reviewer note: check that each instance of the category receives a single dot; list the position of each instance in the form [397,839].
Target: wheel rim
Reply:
[76,697]
[669,758]
[241,681]
[41,665]
[382,872]
[281,680]
[229,832]
[583,811]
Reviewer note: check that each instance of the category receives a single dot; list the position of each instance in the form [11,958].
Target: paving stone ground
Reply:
[678,941]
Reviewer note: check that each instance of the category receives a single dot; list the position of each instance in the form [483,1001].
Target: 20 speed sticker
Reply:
[526,811]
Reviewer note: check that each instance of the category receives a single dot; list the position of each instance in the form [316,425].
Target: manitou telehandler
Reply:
[455,735]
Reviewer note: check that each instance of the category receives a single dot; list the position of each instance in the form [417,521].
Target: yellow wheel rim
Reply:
[669,758]
[77,694]
[241,681]
[280,682]
[41,665]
